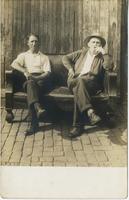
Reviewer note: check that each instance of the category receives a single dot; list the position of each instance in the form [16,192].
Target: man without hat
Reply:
[35,66]
[85,78]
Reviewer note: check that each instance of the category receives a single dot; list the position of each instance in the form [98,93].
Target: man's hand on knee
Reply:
[27,75]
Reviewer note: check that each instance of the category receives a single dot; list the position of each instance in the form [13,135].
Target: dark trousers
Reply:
[36,89]
[83,88]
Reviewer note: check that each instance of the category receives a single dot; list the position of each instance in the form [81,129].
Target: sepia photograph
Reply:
[64,85]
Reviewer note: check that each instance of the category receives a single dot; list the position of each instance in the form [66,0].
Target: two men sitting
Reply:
[85,77]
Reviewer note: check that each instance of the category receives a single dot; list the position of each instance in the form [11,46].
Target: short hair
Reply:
[32,34]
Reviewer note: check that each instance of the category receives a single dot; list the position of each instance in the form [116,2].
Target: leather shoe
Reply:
[94,119]
[76,131]
[31,130]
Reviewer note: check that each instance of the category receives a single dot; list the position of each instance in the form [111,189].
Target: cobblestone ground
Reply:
[97,146]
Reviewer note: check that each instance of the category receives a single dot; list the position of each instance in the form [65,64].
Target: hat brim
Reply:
[103,41]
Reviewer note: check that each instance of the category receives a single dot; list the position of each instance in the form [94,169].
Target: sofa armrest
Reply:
[9,81]
[9,89]
[110,83]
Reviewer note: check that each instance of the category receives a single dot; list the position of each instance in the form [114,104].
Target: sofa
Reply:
[15,97]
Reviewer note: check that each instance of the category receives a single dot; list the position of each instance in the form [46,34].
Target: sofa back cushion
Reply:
[58,70]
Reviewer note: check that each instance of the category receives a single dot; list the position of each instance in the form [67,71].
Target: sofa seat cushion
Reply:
[58,93]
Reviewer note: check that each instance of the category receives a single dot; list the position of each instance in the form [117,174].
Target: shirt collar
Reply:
[34,53]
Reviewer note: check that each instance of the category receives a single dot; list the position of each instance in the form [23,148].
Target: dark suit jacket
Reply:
[76,61]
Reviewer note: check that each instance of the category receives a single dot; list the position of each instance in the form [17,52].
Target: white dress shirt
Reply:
[87,65]
[33,63]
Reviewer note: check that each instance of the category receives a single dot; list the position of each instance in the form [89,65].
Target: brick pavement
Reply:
[97,146]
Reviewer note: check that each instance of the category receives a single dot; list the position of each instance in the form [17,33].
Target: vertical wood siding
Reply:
[2,57]
[61,24]
[124,50]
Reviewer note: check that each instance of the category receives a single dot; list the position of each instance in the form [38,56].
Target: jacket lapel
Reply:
[80,63]
[96,64]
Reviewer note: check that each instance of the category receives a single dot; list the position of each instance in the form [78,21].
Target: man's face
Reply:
[94,44]
[33,43]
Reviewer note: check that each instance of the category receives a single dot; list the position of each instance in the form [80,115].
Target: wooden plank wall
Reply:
[62,25]
[124,51]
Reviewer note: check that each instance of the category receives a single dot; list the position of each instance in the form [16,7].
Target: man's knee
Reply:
[45,80]
[30,81]
[72,82]
[27,84]
[81,82]
[31,84]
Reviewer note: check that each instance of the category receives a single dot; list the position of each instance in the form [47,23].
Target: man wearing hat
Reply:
[86,68]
